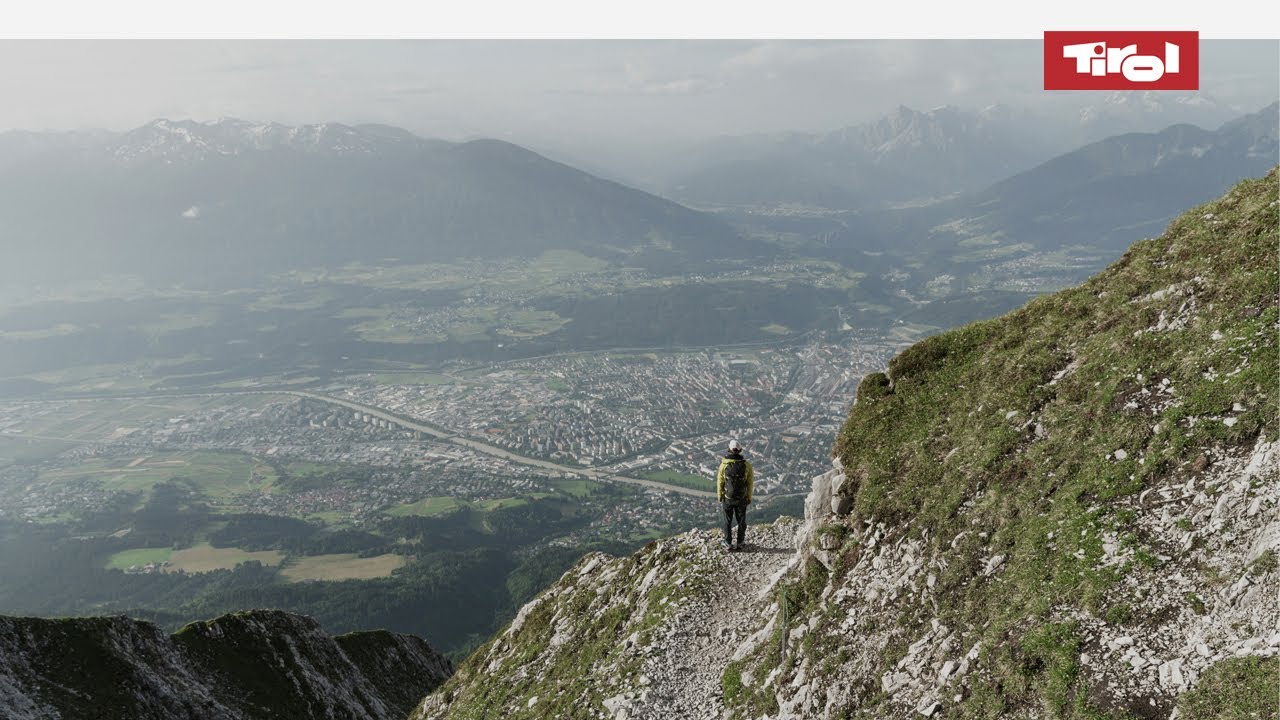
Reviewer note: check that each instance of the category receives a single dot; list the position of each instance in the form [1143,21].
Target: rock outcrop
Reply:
[1177,624]
[243,666]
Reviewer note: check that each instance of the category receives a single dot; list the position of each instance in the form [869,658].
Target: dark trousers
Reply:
[731,511]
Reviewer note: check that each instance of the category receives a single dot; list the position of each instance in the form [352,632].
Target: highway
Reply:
[457,439]
[451,437]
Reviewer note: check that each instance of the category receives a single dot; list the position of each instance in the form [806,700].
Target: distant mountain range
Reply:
[1118,113]
[229,200]
[1092,202]
[188,141]
[944,191]
[1103,190]
[907,156]
[1107,193]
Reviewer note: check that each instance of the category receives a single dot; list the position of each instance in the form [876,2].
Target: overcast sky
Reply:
[551,90]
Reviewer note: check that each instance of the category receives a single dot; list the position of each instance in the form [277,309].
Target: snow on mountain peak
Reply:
[189,140]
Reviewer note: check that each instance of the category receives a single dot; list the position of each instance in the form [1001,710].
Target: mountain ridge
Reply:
[1065,219]
[254,664]
[188,140]
[910,156]
[231,202]
[903,155]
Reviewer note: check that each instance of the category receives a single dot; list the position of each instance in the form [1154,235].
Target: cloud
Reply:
[959,83]
[690,85]
[418,91]
[638,79]
[776,54]
[632,90]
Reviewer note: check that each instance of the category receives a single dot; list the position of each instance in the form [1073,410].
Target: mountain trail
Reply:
[699,638]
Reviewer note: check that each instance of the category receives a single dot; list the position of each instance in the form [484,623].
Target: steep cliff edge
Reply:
[257,664]
[1070,511]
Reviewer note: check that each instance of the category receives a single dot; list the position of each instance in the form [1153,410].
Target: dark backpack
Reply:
[735,481]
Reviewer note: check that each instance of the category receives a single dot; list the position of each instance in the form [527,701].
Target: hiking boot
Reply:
[726,546]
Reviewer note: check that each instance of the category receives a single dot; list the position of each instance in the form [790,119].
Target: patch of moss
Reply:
[1118,614]
[731,682]
[873,386]
[1049,662]
[1264,563]
[1197,604]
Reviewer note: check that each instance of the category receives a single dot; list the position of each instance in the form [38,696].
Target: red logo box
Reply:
[1121,60]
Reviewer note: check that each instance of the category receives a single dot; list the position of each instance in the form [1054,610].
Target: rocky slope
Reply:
[1072,511]
[637,637]
[258,664]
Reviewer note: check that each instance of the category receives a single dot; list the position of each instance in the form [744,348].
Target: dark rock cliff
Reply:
[257,664]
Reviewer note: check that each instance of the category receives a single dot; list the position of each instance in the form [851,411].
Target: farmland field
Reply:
[217,476]
[341,566]
[427,507]
[670,477]
[576,488]
[204,557]
[27,449]
[500,503]
[125,559]
[412,378]
[81,421]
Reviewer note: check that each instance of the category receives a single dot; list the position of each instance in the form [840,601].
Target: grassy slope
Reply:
[954,423]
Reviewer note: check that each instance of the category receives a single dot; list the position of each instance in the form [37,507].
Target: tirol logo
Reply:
[1121,60]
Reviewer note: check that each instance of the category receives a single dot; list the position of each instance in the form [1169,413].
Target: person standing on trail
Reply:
[734,483]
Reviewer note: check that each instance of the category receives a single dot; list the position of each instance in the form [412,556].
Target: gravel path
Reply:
[703,632]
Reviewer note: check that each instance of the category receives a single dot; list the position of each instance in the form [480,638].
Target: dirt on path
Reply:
[700,636]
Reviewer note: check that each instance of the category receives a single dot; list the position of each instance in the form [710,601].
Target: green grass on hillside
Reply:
[1245,688]
[1018,420]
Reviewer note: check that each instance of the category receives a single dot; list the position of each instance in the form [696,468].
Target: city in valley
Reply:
[650,426]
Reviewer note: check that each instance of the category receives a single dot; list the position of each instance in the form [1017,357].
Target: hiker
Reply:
[734,483]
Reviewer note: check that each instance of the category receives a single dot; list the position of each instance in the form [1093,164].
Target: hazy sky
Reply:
[550,90]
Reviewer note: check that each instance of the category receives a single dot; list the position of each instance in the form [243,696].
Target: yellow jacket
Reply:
[751,477]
